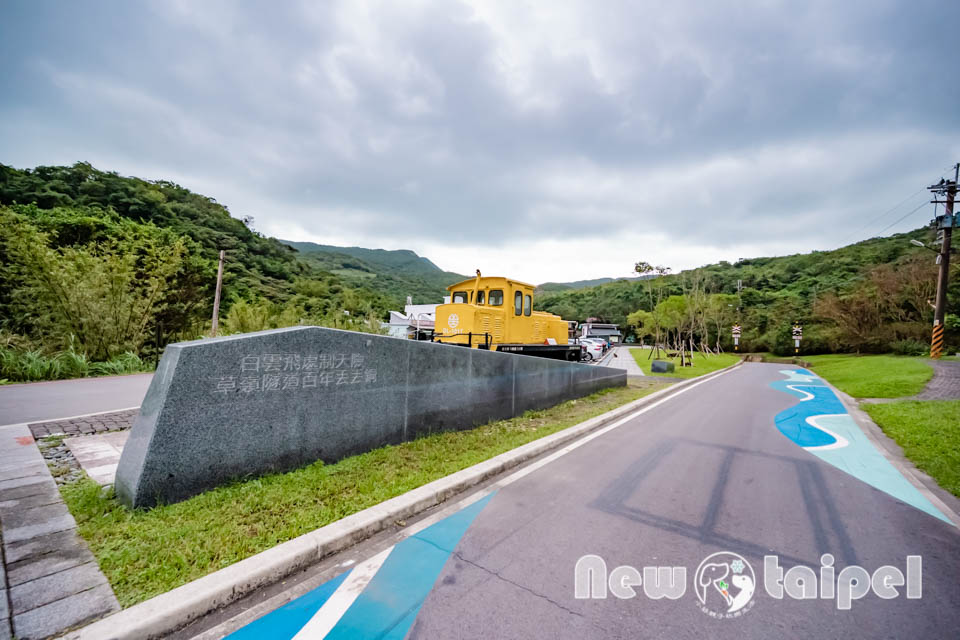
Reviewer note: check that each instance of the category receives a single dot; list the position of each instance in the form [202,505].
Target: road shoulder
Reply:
[167,612]
[948,504]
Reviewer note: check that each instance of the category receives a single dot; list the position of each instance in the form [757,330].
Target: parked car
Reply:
[603,343]
[594,350]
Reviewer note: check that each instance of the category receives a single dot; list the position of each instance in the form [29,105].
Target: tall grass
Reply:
[33,365]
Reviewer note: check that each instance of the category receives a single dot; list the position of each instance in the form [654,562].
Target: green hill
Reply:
[867,295]
[403,260]
[555,287]
[107,264]
[395,274]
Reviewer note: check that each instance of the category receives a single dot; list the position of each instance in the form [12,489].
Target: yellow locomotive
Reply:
[497,314]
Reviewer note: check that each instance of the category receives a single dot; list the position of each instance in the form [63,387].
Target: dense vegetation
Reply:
[871,296]
[98,268]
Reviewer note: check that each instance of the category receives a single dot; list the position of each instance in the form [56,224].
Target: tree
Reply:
[101,296]
[643,323]
[653,273]
[721,309]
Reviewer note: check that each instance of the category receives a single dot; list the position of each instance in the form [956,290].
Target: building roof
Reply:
[414,309]
[603,331]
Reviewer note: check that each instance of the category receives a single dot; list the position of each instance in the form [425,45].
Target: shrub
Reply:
[909,348]
[33,365]
[128,362]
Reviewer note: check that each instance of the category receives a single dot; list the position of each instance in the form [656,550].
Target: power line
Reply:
[943,173]
[886,213]
[898,221]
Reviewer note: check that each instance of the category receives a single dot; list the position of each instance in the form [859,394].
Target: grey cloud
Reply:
[400,115]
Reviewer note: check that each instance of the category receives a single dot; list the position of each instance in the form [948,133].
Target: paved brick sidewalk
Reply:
[49,579]
[98,423]
[622,358]
[945,384]
[99,454]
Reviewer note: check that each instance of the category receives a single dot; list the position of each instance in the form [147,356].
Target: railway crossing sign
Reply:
[797,336]
[736,337]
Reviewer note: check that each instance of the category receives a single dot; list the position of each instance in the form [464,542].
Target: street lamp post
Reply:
[418,322]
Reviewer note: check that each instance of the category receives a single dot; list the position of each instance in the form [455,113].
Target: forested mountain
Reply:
[402,260]
[395,274]
[555,287]
[101,265]
[872,295]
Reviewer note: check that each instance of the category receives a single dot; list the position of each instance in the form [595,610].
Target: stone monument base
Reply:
[225,408]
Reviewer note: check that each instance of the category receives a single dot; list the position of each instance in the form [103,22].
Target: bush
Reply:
[102,295]
[128,362]
[33,365]
[909,348]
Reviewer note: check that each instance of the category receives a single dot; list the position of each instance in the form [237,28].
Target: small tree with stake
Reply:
[651,272]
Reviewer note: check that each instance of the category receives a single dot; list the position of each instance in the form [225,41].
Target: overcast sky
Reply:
[538,140]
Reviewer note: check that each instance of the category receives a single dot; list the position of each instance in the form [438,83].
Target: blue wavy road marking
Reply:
[286,621]
[820,424]
[390,601]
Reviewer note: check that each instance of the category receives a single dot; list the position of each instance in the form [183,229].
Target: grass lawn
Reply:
[701,364]
[145,553]
[929,433]
[873,376]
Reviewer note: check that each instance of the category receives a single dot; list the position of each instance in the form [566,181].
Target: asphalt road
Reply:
[705,472]
[65,398]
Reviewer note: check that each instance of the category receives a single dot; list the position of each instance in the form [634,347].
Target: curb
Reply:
[170,611]
[892,451]
[82,415]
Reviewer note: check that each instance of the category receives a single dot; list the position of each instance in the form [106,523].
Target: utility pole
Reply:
[945,223]
[216,298]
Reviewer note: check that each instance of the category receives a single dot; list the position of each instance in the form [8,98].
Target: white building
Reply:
[415,317]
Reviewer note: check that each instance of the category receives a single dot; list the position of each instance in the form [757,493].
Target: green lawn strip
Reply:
[145,553]
[929,433]
[881,376]
[701,364]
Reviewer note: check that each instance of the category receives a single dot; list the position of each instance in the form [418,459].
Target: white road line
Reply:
[840,443]
[809,395]
[333,609]
[527,470]
[263,608]
[324,620]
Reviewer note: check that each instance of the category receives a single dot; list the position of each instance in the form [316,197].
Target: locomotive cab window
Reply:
[460,297]
[517,303]
[480,297]
[496,298]
[526,305]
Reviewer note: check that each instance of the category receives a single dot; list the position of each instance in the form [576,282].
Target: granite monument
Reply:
[225,408]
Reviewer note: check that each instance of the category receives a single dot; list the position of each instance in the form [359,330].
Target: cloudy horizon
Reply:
[543,141]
